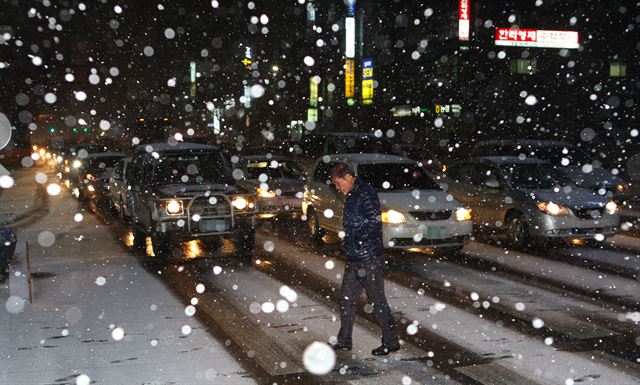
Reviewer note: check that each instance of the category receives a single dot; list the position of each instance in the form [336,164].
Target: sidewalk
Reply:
[97,316]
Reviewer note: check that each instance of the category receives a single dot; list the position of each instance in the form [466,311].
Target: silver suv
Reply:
[186,191]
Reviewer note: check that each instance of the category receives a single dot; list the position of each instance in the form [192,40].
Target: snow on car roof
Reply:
[263,158]
[160,147]
[104,155]
[511,160]
[515,142]
[363,158]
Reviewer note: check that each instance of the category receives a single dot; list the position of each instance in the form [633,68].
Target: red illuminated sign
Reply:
[521,37]
[463,20]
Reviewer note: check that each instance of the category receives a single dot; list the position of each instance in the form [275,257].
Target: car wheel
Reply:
[162,247]
[517,232]
[244,240]
[139,238]
[315,231]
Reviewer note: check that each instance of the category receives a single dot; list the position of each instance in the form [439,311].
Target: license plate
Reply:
[207,225]
[436,232]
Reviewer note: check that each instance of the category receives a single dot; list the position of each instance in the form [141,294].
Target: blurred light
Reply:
[463,214]
[393,216]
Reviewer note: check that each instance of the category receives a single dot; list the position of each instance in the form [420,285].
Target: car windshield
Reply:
[396,176]
[535,176]
[561,155]
[203,167]
[283,169]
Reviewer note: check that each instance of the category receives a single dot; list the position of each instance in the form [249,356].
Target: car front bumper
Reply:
[572,227]
[445,233]
[205,228]
[279,206]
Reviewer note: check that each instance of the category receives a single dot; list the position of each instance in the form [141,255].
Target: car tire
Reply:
[517,232]
[244,240]
[139,238]
[315,231]
[162,247]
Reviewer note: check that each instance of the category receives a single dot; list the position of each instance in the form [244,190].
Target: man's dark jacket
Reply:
[361,222]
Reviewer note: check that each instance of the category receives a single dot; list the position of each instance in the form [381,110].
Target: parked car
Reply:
[119,189]
[186,191]
[531,200]
[416,212]
[585,171]
[278,183]
[91,180]
[313,146]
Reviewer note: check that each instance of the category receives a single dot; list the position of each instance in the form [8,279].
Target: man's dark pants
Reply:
[367,275]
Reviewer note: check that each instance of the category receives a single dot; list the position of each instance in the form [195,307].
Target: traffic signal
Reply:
[75,130]
[52,130]
[85,129]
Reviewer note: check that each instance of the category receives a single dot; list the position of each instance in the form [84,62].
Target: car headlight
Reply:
[265,193]
[463,214]
[172,207]
[76,164]
[393,216]
[91,188]
[242,203]
[552,208]
[611,207]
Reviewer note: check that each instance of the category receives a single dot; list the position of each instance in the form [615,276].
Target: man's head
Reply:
[342,177]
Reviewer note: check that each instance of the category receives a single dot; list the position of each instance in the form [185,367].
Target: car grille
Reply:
[410,242]
[203,207]
[431,215]
[589,213]
[289,193]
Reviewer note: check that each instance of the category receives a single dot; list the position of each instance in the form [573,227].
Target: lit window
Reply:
[523,66]
[617,69]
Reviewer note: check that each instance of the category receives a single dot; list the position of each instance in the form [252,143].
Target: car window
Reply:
[461,172]
[284,169]
[397,176]
[321,175]
[483,173]
[192,167]
[536,176]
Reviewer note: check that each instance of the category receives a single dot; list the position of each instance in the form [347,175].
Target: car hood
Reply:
[597,178]
[193,190]
[418,200]
[577,197]
[284,185]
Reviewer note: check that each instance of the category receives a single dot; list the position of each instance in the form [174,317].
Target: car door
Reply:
[489,194]
[460,184]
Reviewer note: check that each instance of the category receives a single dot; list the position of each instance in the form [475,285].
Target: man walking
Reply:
[365,259]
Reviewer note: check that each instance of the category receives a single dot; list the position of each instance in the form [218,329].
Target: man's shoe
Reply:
[341,347]
[384,350]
